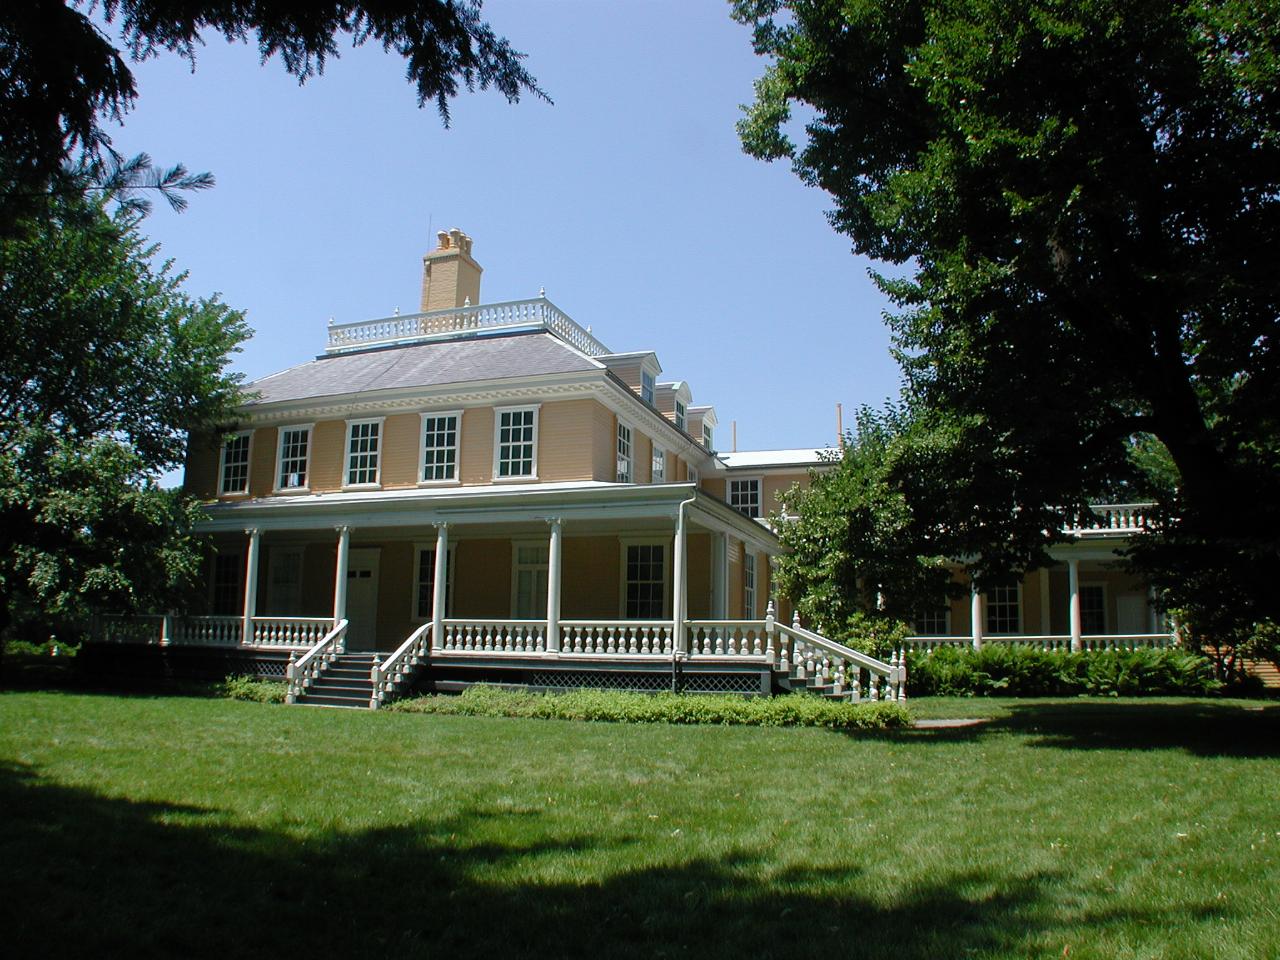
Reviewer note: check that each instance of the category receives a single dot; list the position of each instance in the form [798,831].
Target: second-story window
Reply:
[516,452]
[624,453]
[439,447]
[364,443]
[707,440]
[234,475]
[659,465]
[295,445]
[681,419]
[744,496]
[646,386]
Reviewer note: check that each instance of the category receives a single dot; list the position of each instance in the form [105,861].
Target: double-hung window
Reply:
[682,419]
[233,476]
[440,447]
[934,622]
[624,453]
[659,473]
[646,387]
[744,496]
[293,458]
[645,586]
[1004,609]
[707,440]
[515,454]
[529,569]
[1093,609]
[749,585]
[227,568]
[364,448]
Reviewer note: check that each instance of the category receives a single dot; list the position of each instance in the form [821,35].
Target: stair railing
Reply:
[301,673]
[808,656]
[397,668]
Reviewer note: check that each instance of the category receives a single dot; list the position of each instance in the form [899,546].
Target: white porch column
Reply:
[1073,586]
[250,585]
[719,576]
[1045,622]
[679,641]
[340,575]
[553,588]
[976,611]
[440,586]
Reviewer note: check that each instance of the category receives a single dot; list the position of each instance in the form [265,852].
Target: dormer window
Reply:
[364,448]
[646,387]
[293,458]
[234,475]
[706,437]
[624,453]
[682,422]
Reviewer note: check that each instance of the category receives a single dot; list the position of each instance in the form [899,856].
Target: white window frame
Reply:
[648,386]
[248,464]
[625,447]
[346,458]
[658,465]
[708,436]
[749,584]
[423,417]
[293,428]
[1101,585]
[759,505]
[451,558]
[497,443]
[682,415]
[667,544]
[918,624]
[989,605]
[517,566]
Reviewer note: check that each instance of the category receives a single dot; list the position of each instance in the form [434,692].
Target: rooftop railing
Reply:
[1113,519]
[538,313]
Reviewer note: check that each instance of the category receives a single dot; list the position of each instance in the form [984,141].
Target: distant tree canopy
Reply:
[107,364]
[1087,196]
[61,76]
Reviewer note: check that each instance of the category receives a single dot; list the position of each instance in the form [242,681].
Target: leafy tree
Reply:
[107,364]
[854,561]
[60,75]
[1087,196]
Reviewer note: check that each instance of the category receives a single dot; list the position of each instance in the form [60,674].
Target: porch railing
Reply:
[730,638]
[1120,641]
[290,631]
[620,637]
[302,672]
[494,636]
[1113,519]
[388,675]
[807,656]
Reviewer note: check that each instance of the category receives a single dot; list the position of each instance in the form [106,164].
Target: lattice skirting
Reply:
[746,682]
[145,661]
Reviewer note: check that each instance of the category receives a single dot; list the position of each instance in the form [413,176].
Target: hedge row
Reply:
[1007,671]
[619,707]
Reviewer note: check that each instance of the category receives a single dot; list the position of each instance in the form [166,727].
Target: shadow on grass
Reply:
[27,673]
[83,874]
[1202,728]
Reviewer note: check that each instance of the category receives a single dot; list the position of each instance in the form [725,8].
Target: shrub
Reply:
[613,706]
[25,648]
[1009,671]
[256,691]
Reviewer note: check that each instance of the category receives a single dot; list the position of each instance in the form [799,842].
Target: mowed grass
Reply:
[168,826]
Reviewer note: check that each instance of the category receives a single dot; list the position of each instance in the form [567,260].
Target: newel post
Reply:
[770,628]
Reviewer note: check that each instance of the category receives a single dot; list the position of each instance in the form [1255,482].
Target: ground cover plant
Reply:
[616,706]
[1005,670]
[199,826]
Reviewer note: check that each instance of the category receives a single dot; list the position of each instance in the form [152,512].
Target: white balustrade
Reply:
[616,637]
[208,631]
[398,667]
[494,636]
[727,638]
[538,312]
[1113,519]
[289,631]
[829,667]
[130,628]
[1048,642]
[304,670]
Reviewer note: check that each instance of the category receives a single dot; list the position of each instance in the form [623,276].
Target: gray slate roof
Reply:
[423,365]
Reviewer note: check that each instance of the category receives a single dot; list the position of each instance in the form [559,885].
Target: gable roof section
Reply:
[422,365]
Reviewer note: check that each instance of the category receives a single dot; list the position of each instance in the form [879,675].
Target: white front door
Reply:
[362,598]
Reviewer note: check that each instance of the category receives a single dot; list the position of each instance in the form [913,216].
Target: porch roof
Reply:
[489,504]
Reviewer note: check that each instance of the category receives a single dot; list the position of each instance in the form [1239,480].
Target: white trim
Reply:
[451,560]
[620,425]
[497,444]
[422,448]
[346,456]
[248,463]
[668,559]
[986,615]
[758,481]
[655,452]
[280,432]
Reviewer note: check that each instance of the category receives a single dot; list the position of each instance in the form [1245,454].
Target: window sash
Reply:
[1004,610]
[645,585]
[933,622]
[707,435]
[235,464]
[439,448]
[659,466]
[624,453]
[517,441]
[749,585]
[294,446]
[227,569]
[646,386]
[681,416]
[529,580]
[744,496]
[363,447]
[425,600]
[1093,609]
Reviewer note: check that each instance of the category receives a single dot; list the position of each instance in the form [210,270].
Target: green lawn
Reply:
[168,826]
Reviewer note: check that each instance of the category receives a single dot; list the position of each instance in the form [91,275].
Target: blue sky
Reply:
[629,200]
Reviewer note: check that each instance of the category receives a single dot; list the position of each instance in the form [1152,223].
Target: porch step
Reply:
[345,682]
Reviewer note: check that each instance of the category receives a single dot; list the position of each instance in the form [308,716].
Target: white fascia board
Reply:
[507,391]
[627,405]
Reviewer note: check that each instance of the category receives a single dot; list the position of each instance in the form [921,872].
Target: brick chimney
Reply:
[450,278]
